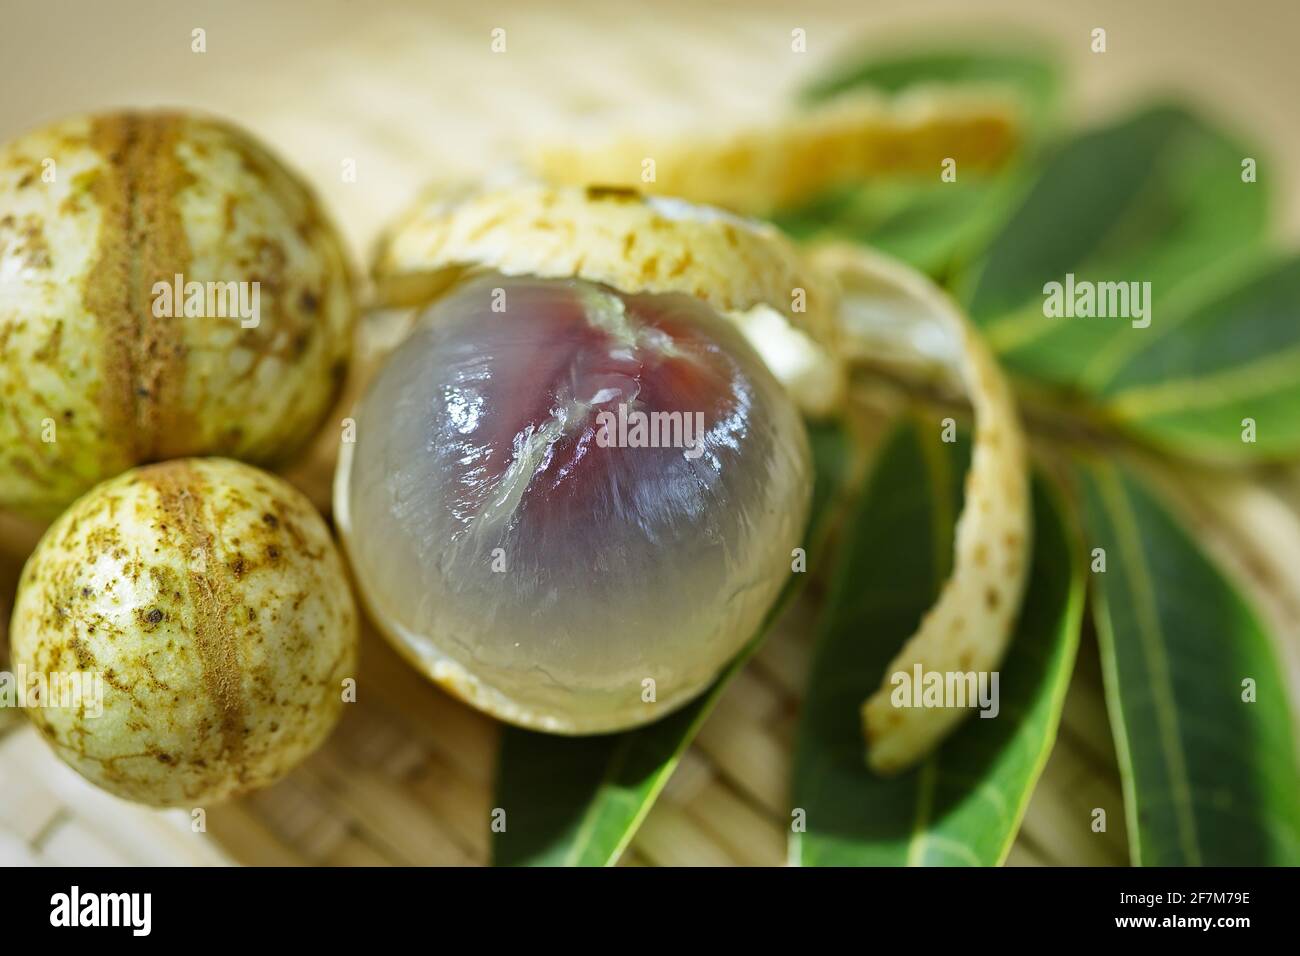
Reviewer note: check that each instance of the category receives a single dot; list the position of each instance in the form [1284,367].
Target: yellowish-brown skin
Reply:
[94,211]
[210,598]
[745,269]
[791,159]
[970,625]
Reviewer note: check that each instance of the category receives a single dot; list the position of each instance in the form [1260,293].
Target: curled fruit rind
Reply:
[633,243]
[970,624]
[764,167]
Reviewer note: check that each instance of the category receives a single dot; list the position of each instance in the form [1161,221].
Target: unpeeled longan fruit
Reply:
[98,370]
[211,602]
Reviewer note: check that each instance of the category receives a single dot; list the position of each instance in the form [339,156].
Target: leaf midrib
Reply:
[1151,642]
[1267,373]
[590,818]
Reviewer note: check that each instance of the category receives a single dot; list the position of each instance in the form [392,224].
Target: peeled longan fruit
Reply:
[520,545]
[209,600]
[99,371]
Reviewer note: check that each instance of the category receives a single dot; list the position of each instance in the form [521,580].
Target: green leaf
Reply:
[1158,198]
[1209,779]
[1031,76]
[930,224]
[964,804]
[1233,358]
[578,801]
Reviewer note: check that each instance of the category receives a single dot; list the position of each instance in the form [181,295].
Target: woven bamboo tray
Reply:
[408,91]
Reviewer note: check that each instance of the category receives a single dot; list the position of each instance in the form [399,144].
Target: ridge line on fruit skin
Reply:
[181,494]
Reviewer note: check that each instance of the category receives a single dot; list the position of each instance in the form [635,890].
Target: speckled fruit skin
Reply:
[210,597]
[138,198]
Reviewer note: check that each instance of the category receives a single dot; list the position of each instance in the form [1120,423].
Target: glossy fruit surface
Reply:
[569,505]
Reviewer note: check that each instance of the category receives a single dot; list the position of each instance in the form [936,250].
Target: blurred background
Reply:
[411,88]
[411,91]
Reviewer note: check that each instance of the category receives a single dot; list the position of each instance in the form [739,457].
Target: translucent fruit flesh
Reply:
[570,505]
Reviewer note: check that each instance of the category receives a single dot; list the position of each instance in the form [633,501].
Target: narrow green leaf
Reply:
[578,801]
[1030,75]
[1209,777]
[964,804]
[1237,357]
[932,225]
[1157,198]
